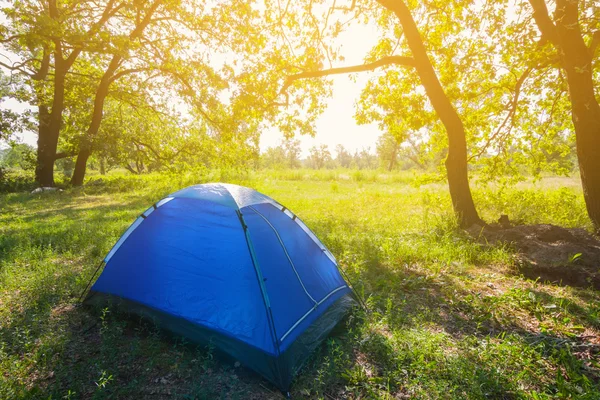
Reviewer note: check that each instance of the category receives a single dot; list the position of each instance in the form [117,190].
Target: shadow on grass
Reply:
[423,318]
[67,227]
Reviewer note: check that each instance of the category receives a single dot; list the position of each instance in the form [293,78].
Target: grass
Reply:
[449,317]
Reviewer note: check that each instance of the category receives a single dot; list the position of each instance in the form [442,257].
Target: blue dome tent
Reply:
[228,265]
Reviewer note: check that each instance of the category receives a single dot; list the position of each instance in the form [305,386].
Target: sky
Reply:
[336,125]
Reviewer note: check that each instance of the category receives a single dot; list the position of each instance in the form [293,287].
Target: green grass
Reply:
[449,317]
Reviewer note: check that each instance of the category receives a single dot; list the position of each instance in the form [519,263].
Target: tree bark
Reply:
[85,145]
[44,171]
[576,59]
[49,128]
[80,166]
[456,162]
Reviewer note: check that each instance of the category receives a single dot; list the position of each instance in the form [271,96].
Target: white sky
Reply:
[336,125]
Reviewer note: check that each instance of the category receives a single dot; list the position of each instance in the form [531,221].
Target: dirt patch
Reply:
[549,252]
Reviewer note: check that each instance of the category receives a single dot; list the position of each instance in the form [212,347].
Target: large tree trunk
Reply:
[49,130]
[44,171]
[80,166]
[456,162]
[587,128]
[576,59]
[85,145]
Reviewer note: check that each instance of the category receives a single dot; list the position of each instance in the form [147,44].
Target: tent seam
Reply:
[264,293]
[286,254]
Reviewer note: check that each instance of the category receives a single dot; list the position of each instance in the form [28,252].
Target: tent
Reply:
[226,265]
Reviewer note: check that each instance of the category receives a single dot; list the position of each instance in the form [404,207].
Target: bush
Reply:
[16,180]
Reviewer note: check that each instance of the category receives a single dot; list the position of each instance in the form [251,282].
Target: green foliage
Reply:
[320,157]
[448,316]
[19,155]
[15,180]
[285,155]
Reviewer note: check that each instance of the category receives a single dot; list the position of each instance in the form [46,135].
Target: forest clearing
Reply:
[449,316]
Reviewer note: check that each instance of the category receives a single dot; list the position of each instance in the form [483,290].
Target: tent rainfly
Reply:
[227,265]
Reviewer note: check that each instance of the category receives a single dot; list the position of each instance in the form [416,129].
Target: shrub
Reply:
[16,180]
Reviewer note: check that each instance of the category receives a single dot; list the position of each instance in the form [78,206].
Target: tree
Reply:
[227,81]
[142,137]
[319,156]
[564,33]
[46,38]
[143,17]
[388,148]
[343,157]
[292,152]
[364,159]
[11,122]
[274,157]
[456,161]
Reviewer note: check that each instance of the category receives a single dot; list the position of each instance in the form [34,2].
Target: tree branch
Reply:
[126,72]
[15,68]
[149,147]
[510,116]
[145,21]
[389,60]
[109,11]
[345,8]
[128,168]
[65,154]
[44,66]
[544,22]
[11,38]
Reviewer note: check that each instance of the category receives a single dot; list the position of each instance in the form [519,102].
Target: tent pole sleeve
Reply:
[259,276]
[263,290]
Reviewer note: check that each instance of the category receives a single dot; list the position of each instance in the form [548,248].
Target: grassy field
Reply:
[449,317]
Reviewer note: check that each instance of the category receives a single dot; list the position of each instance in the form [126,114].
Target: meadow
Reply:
[448,316]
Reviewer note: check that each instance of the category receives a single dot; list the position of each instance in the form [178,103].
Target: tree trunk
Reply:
[456,162]
[85,145]
[44,171]
[80,166]
[587,128]
[565,35]
[49,129]
[394,156]
[102,166]
[577,62]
